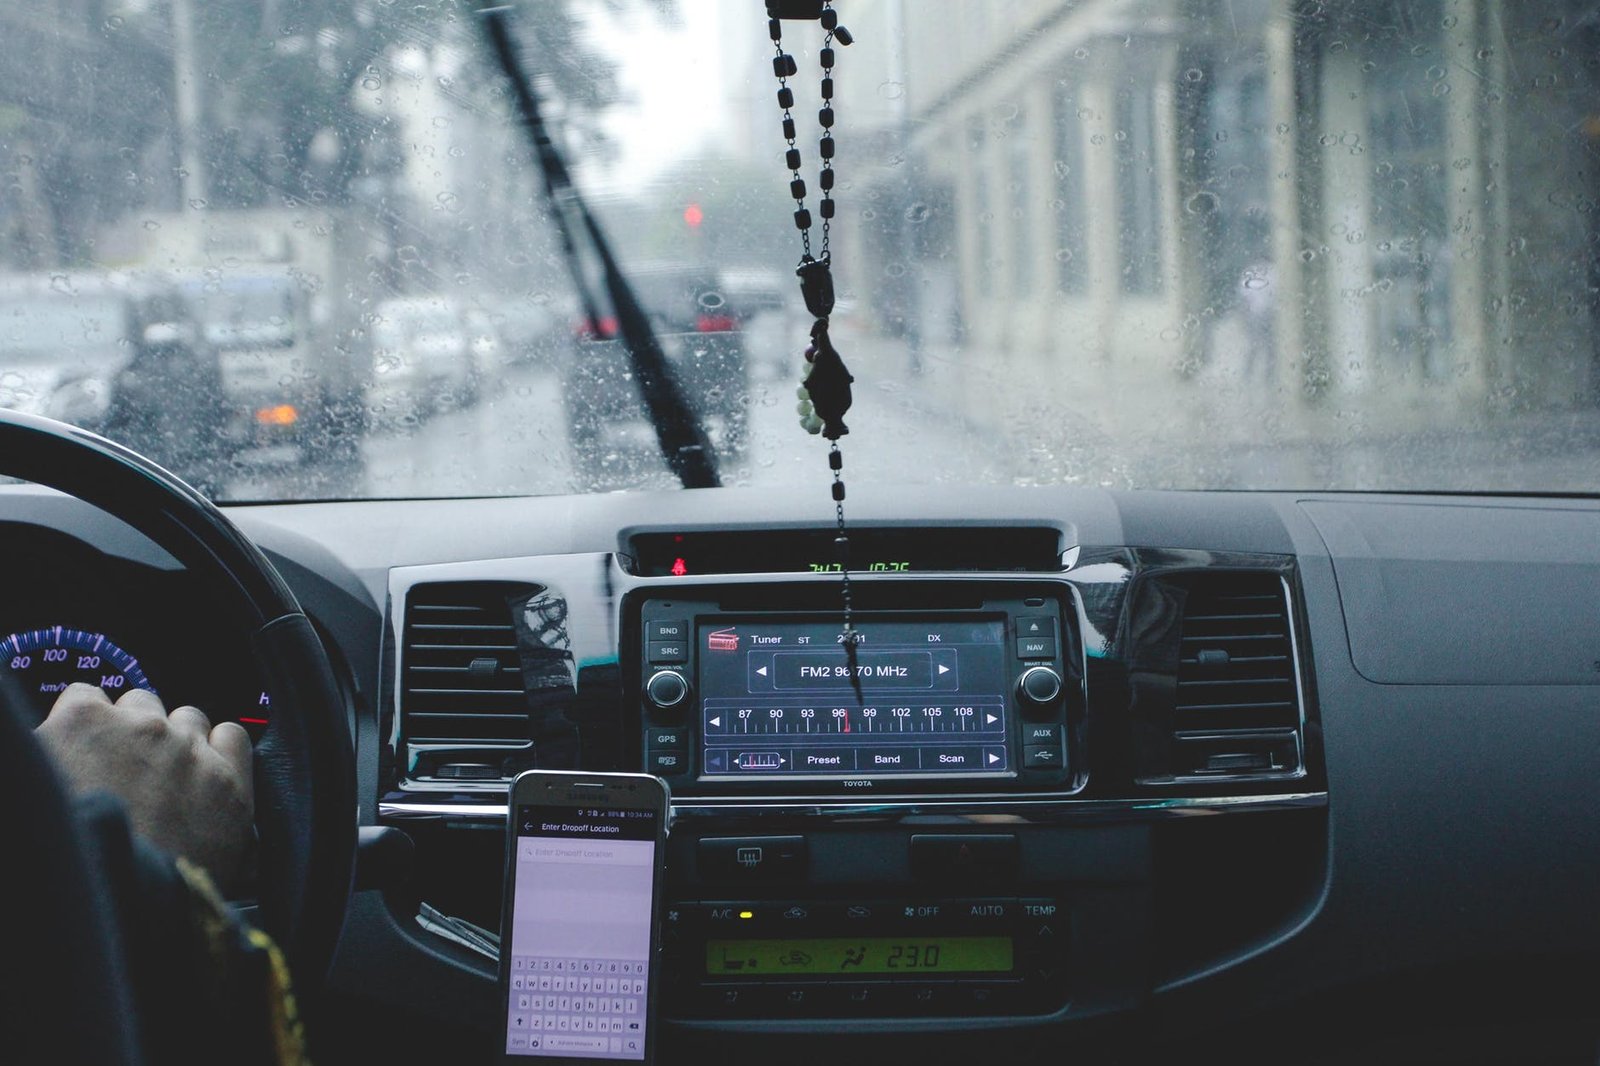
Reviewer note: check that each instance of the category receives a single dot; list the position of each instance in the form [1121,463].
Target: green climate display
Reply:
[860,955]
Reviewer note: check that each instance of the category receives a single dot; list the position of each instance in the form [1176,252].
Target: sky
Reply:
[674,73]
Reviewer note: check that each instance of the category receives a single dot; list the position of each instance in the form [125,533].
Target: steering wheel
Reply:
[304,766]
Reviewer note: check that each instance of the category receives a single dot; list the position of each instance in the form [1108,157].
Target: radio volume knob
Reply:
[666,689]
[1038,688]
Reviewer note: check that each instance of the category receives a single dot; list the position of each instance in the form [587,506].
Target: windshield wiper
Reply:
[682,439]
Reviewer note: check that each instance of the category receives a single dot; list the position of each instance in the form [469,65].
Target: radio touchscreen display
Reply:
[920,698]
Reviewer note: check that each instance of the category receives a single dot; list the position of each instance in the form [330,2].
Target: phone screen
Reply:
[580,928]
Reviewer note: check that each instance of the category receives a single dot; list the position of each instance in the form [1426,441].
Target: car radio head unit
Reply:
[751,702]
[780,698]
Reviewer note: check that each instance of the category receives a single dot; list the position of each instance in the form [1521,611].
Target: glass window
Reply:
[1020,207]
[1072,249]
[1139,221]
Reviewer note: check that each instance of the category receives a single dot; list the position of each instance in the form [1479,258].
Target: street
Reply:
[907,428]
[514,441]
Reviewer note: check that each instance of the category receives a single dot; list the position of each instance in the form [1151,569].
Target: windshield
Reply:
[1250,244]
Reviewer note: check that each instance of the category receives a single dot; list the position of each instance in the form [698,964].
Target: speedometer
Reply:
[46,661]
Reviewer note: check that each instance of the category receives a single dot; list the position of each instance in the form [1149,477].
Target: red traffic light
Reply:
[693,215]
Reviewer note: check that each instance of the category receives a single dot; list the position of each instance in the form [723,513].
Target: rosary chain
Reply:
[842,540]
[783,65]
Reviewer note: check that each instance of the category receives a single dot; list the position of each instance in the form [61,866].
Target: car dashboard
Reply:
[1271,774]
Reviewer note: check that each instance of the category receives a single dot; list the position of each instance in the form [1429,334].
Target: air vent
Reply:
[1237,712]
[462,682]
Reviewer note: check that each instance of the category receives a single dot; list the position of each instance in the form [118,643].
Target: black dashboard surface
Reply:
[1448,877]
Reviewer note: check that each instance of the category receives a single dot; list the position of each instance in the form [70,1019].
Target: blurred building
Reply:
[1394,202]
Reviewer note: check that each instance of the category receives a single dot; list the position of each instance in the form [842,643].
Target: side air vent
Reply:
[1237,710]
[461,676]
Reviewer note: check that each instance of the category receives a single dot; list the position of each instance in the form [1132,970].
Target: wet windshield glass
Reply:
[303,250]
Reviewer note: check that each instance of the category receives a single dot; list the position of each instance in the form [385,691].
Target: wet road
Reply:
[514,441]
[909,429]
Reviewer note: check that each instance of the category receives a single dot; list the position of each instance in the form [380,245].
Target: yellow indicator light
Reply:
[283,414]
[747,914]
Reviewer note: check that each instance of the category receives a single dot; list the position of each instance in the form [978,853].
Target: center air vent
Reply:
[1237,710]
[462,679]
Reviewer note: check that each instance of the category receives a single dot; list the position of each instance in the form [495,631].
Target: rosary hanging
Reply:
[825,389]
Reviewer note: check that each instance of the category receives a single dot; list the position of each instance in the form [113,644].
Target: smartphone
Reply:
[580,931]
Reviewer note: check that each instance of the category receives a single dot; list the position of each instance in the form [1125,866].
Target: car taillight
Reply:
[605,329]
[716,323]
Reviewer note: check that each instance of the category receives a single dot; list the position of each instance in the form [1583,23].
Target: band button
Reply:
[675,629]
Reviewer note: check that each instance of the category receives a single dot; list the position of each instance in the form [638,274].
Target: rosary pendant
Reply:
[826,386]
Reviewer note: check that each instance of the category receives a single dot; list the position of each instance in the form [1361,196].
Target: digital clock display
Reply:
[873,550]
[843,956]
[871,568]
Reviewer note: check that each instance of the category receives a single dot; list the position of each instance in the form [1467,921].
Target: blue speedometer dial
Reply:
[46,661]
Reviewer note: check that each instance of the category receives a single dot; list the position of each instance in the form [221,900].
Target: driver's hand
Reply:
[186,783]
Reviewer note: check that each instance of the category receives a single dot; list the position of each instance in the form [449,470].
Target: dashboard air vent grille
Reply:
[462,678]
[1238,708]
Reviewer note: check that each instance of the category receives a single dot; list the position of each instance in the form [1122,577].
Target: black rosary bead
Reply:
[825,147]
[825,179]
[792,158]
[830,18]
[825,116]
[826,207]
[843,36]
[802,219]
[788,129]
[827,88]
[836,460]
[786,97]
[838,491]
[783,65]
[775,28]
[797,189]
[826,56]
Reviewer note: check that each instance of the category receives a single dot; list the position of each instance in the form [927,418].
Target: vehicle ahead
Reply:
[701,333]
[527,329]
[170,401]
[257,318]
[423,359]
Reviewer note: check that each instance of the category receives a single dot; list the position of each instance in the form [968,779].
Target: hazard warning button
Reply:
[964,856]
